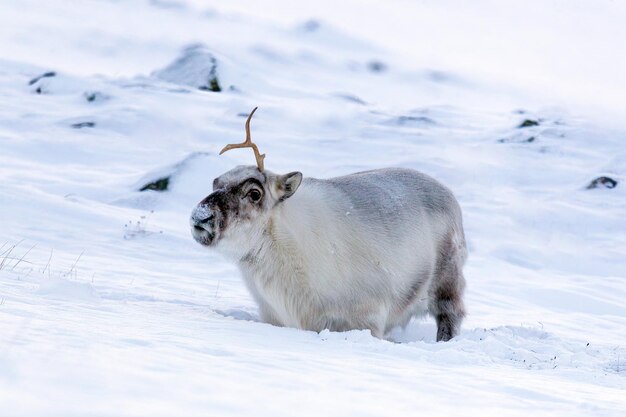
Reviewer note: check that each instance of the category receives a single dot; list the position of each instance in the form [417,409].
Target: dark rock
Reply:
[95,96]
[528,123]
[214,85]
[44,75]
[516,140]
[602,182]
[377,66]
[160,184]
[81,125]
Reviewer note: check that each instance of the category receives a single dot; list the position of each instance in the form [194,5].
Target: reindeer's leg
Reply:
[361,318]
[268,316]
[446,295]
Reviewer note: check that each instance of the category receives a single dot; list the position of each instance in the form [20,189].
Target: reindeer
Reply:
[368,250]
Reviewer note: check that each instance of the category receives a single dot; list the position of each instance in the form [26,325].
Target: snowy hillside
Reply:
[109,308]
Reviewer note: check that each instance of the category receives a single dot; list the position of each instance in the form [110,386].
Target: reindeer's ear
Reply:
[288,184]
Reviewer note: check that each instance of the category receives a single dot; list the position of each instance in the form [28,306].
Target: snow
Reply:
[109,308]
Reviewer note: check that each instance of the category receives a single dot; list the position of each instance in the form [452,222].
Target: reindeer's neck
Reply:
[292,226]
[296,219]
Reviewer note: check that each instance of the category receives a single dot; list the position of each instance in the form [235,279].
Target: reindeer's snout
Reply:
[200,221]
[202,224]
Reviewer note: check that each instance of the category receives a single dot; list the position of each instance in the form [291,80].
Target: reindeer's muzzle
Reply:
[203,224]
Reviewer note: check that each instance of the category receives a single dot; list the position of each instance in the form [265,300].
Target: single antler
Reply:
[247,144]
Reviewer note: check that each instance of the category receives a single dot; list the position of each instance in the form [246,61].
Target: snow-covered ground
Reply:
[109,308]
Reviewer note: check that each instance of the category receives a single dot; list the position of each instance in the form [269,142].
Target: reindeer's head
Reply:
[242,200]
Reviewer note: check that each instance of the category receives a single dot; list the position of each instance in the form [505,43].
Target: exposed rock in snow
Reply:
[528,123]
[602,182]
[195,67]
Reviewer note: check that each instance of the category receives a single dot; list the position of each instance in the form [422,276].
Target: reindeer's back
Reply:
[390,195]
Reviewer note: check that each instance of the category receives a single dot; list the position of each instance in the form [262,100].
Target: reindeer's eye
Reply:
[255,195]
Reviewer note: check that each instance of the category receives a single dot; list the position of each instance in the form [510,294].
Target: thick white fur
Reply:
[355,252]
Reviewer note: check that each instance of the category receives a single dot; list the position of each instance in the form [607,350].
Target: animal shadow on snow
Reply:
[416,331]
[240,314]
